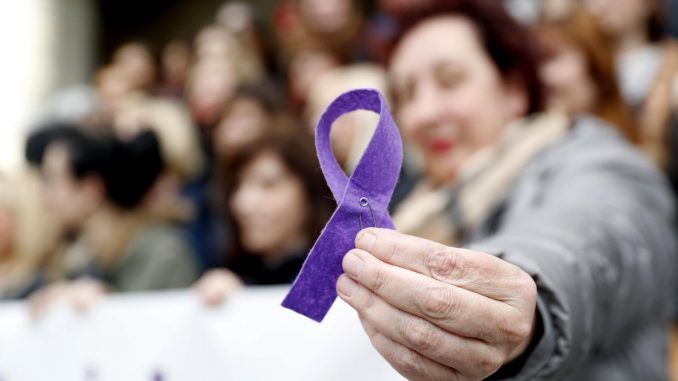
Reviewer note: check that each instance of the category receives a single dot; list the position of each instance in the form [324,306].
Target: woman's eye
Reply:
[404,93]
[449,77]
[271,182]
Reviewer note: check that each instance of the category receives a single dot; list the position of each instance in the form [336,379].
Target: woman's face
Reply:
[326,16]
[617,17]
[136,61]
[451,100]
[67,199]
[270,207]
[570,87]
[212,84]
[244,122]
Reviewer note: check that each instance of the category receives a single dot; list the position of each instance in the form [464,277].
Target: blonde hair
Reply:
[34,234]
[339,81]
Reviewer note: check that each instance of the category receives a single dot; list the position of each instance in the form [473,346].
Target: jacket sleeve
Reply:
[160,261]
[598,238]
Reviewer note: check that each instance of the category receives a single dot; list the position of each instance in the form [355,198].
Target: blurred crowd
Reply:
[194,165]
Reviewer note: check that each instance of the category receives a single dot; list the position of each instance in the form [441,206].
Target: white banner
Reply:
[173,337]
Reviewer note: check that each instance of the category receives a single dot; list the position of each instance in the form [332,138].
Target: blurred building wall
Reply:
[44,45]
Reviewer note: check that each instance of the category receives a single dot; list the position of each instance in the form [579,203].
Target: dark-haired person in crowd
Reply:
[278,203]
[569,259]
[95,187]
[246,117]
[174,64]
[579,71]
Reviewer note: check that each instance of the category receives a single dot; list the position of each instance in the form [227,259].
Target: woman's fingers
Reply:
[464,356]
[216,286]
[407,362]
[478,272]
[451,308]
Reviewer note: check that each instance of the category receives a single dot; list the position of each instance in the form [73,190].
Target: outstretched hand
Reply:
[437,312]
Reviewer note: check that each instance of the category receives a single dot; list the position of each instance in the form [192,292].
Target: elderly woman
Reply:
[569,255]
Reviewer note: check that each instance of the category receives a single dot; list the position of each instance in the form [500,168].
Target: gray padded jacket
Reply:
[593,222]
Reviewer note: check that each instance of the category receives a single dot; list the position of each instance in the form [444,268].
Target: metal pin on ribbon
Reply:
[368,190]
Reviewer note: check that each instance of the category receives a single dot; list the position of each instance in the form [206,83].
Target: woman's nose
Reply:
[425,107]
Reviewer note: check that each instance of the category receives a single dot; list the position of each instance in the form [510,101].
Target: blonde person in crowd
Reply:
[221,65]
[579,71]
[277,203]
[533,233]
[95,187]
[647,68]
[353,131]
[240,19]
[138,64]
[27,235]
[304,68]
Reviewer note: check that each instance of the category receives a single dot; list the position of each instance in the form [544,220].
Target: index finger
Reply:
[472,270]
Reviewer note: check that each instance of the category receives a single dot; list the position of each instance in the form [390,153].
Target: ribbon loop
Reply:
[362,197]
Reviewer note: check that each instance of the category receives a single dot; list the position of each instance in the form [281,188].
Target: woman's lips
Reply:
[441,145]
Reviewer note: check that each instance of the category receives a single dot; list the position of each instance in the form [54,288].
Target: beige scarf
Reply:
[444,213]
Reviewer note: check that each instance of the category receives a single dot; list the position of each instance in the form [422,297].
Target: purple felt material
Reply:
[374,178]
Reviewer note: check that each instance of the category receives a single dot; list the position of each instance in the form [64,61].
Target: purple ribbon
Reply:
[362,201]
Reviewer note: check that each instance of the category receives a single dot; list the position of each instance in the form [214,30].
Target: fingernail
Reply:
[365,240]
[352,264]
[346,286]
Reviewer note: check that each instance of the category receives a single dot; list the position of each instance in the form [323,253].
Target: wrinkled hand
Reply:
[436,312]
[216,286]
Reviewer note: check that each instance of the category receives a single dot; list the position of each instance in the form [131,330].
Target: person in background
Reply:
[210,85]
[647,69]
[305,67]
[179,145]
[579,72]
[220,66]
[181,194]
[351,133]
[333,25]
[240,19]
[95,187]
[138,65]
[175,64]
[27,235]
[249,114]
[278,203]
[554,227]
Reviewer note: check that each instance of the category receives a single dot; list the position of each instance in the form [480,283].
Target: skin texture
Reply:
[245,122]
[443,95]
[436,312]
[571,90]
[269,206]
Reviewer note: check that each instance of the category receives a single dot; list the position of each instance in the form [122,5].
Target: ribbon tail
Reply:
[314,292]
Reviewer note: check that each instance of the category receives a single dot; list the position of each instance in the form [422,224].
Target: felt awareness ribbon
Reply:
[362,201]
